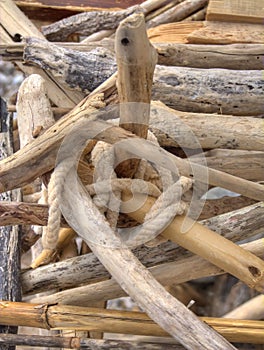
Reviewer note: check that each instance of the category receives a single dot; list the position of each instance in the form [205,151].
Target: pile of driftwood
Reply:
[116,141]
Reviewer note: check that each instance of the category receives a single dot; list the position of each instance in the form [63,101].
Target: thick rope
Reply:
[106,195]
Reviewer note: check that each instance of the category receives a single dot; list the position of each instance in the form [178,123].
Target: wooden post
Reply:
[136,60]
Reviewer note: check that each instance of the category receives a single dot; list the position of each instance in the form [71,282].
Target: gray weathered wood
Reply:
[197,130]
[82,343]
[10,288]
[78,71]
[221,91]
[237,225]
[87,23]
[182,270]
[245,164]
[233,56]
[177,13]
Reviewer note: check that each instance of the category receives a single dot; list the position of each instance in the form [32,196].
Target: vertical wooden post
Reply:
[9,235]
[136,60]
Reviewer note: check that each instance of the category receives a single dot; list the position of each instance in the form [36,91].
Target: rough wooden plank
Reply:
[226,33]
[235,11]
[10,288]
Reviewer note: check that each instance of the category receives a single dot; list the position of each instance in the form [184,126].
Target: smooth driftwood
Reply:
[87,23]
[84,343]
[136,59]
[195,130]
[34,113]
[60,316]
[10,288]
[182,270]
[244,164]
[233,56]
[236,226]
[177,13]
[14,26]
[197,16]
[187,89]
[252,309]
[14,170]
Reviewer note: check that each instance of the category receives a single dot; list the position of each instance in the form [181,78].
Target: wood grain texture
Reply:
[233,56]
[63,317]
[213,32]
[235,11]
[182,88]
[15,26]
[10,288]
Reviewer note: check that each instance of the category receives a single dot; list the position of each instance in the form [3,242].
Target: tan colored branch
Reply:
[209,245]
[183,270]
[68,317]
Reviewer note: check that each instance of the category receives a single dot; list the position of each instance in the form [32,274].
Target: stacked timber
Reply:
[127,119]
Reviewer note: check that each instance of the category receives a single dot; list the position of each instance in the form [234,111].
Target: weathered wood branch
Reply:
[183,88]
[14,170]
[59,316]
[233,56]
[79,71]
[252,309]
[195,130]
[87,23]
[22,213]
[83,343]
[10,287]
[209,245]
[182,270]
[236,226]
[177,13]
[14,24]
[244,164]
[236,56]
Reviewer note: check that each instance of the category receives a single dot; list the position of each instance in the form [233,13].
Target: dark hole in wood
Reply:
[17,38]
[254,271]
[125,41]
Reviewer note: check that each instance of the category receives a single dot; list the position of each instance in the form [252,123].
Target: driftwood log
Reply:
[14,26]
[83,343]
[10,288]
[14,171]
[179,87]
[233,56]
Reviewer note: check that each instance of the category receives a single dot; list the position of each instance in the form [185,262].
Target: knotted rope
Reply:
[106,194]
